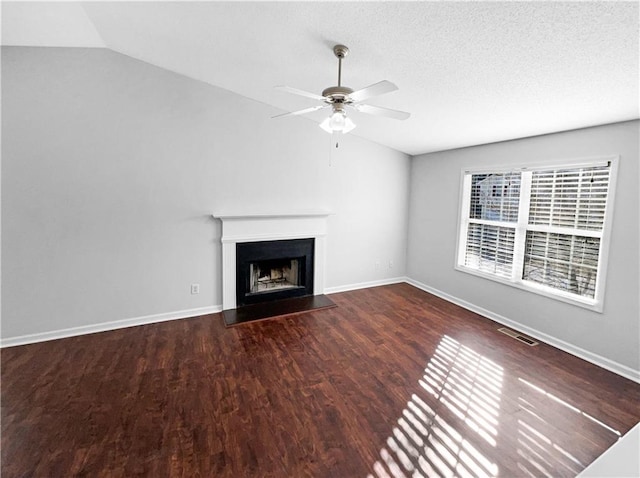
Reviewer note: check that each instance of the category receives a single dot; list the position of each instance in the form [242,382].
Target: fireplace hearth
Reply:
[273,270]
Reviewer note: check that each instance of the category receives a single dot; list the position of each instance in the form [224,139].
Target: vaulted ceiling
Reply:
[469,72]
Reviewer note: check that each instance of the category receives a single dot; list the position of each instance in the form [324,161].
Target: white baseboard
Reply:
[106,326]
[151,319]
[595,359]
[364,285]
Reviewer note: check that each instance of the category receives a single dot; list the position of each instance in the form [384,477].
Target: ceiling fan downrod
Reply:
[340,51]
[339,93]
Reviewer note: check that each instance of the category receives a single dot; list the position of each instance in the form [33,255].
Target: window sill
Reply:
[586,303]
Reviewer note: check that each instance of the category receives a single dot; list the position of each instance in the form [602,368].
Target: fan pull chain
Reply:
[333,145]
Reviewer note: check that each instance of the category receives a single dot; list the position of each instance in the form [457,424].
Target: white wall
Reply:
[112,167]
[613,337]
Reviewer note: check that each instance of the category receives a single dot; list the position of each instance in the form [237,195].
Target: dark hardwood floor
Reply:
[393,382]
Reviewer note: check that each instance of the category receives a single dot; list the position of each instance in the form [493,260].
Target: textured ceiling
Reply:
[469,72]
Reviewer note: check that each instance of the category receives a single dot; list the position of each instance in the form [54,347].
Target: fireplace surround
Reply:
[251,228]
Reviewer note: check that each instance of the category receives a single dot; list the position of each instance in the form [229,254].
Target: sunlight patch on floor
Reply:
[424,444]
[538,454]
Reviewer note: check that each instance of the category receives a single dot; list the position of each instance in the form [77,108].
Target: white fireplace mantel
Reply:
[270,227]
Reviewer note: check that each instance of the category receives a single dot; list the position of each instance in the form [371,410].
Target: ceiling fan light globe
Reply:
[348,125]
[337,121]
[325,125]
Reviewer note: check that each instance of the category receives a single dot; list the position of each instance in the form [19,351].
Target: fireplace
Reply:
[267,227]
[274,270]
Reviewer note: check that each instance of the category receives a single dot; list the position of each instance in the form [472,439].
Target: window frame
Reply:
[521,227]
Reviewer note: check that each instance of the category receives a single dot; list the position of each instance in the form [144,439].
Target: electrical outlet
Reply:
[376,265]
[390,264]
[195,288]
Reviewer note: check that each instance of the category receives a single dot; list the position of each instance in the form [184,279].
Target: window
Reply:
[542,228]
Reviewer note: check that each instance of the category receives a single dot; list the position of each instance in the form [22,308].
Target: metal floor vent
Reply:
[518,336]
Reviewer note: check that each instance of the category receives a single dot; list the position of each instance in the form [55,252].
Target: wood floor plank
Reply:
[391,382]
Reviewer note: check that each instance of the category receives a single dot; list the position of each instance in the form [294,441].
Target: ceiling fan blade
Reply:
[298,92]
[379,111]
[301,112]
[370,91]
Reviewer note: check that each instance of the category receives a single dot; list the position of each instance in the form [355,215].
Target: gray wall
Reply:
[111,169]
[433,224]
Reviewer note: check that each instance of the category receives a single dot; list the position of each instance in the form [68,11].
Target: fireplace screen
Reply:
[271,275]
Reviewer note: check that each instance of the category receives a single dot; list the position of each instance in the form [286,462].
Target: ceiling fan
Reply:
[338,98]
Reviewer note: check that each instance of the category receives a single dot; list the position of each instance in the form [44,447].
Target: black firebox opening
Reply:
[273,270]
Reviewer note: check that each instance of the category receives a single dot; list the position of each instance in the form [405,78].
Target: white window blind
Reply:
[491,223]
[540,229]
[490,249]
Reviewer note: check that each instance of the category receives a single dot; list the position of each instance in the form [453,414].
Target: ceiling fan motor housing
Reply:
[337,94]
